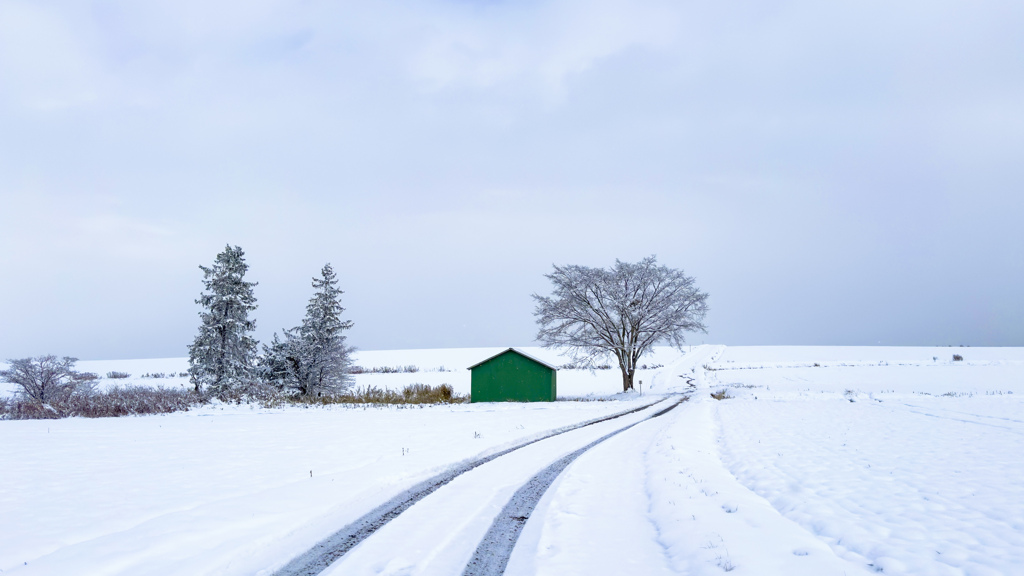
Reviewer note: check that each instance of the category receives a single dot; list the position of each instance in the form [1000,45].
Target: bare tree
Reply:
[620,311]
[47,378]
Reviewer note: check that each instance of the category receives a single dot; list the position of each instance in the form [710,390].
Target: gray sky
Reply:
[831,172]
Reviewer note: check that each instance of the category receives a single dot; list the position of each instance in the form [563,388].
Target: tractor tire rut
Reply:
[321,555]
[492,555]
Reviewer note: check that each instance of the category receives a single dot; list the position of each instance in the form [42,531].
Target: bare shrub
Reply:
[134,400]
[424,394]
[958,358]
[47,378]
[721,395]
[115,375]
[407,369]
[18,409]
[116,401]
[412,394]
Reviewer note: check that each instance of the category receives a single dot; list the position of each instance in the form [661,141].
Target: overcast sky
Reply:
[846,172]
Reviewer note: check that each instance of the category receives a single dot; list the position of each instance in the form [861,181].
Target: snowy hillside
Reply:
[817,460]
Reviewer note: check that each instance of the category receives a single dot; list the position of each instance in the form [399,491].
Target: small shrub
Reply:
[135,400]
[116,401]
[18,409]
[412,394]
[408,369]
[958,358]
[424,394]
[115,375]
[721,395]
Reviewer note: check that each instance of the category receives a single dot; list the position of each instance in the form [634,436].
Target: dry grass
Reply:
[116,401]
[721,395]
[138,400]
[412,394]
[408,369]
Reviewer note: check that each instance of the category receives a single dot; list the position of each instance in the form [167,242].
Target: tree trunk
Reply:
[627,380]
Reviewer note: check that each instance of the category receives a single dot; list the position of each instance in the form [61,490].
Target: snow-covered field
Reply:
[822,460]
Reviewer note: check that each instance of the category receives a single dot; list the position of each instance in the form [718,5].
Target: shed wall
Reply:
[513,378]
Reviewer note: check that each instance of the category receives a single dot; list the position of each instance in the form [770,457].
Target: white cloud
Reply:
[46,61]
[536,45]
[754,140]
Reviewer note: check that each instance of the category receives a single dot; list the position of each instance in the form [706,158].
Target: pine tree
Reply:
[278,363]
[313,358]
[324,349]
[223,354]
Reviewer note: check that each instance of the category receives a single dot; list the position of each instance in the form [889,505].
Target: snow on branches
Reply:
[223,355]
[313,358]
[620,311]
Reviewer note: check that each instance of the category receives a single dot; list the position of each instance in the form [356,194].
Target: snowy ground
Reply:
[823,461]
[901,458]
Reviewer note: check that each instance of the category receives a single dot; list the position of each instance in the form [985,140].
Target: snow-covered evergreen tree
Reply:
[223,354]
[279,360]
[313,358]
[327,356]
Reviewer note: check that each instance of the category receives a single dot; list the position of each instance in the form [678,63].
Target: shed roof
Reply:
[520,352]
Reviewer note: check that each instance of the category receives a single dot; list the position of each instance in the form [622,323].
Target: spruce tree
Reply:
[223,354]
[326,355]
[313,358]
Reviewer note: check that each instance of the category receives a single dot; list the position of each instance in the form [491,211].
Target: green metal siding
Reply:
[511,377]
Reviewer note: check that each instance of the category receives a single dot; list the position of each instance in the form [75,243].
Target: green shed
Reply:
[512,376]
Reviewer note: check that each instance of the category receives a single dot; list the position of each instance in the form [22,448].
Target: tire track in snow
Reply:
[492,555]
[931,412]
[320,556]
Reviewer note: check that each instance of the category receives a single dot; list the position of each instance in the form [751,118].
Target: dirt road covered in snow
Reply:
[325,552]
